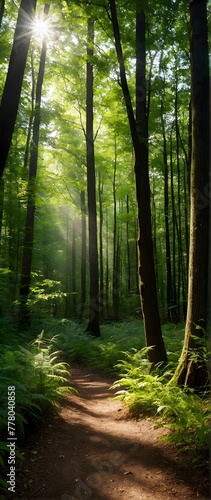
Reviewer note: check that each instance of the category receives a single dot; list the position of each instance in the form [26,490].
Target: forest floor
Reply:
[93,449]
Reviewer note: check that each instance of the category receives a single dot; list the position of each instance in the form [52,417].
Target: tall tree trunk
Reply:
[107,265]
[137,256]
[186,228]
[139,134]
[2,11]
[189,146]
[191,370]
[128,248]
[83,254]
[154,233]
[74,266]
[174,293]
[13,84]
[26,156]
[100,190]
[67,271]
[115,263]
[166,211]
[1,204]
[93,324]
[29,229]
[178,200]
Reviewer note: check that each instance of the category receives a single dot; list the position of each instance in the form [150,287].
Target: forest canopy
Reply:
[96,145]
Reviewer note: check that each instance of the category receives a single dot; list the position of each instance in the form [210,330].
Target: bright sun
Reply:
[41,28]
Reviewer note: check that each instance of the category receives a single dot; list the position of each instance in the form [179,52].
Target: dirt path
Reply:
[93,450]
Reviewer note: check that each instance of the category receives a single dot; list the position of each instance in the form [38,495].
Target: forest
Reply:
[105,262]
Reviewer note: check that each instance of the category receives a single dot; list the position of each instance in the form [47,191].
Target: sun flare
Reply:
[41,28]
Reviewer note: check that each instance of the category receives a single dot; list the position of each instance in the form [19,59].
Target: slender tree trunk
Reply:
[93,324]
[154,233]
[29,230]
[128,249]
[2,11]
[26,156]
[1,204]
[166,211]
[179,201]
[100,189]
[189,146]
[107,265]
[83,255]
[174,293]
[73,266]
[13,84]
[186,228]
[139,134]
[191,370]
[67,273]
[115,263]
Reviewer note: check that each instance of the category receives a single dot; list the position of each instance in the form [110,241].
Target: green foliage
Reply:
[120,351]
[40,380]
[104,352]
[185,414]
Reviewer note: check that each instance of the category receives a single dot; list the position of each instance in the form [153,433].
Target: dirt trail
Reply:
[93,450]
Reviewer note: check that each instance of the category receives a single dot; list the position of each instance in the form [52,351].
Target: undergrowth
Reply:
[120,352]
[184,413]
[39,369]
[40,379]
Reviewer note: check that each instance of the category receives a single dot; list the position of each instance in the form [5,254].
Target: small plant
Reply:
[40,381]
[186,414]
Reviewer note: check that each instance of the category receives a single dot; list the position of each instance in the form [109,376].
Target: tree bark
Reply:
[107,265]
[2,11]
[166,212]
[115,263]
[67,271]
[174,292]
[192,371]
[1,204]
[128,248]
[93,324]
[29,229]
[100,190]
[139,134]
[13,84]
[74,266]
[83,255]
[26,156]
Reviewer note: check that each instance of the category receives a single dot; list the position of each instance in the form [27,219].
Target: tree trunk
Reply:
[67,271]
[13,84]
[191,371]
[73,266]
[139,134]
[29,229]
[26,156]
[154,233]
[166,211]
[100,189]
[1,204]
[93,325]
[83,255]
[107,265]
[178,200]
[128,248]
[174,292]
[2,11]
[115,263]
